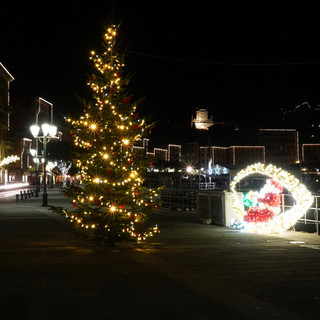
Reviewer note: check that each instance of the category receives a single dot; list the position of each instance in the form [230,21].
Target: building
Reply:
[310,154]
[281,146]
[171,153]
[306,120]
[202,120]
[245,155]
[6,146]
[232,156]
[190,153]
[27,111]
[160,154]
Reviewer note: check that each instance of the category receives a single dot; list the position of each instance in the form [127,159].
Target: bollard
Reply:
[25,194]
[29,194]
[32,194]
[17,197]
[21,195]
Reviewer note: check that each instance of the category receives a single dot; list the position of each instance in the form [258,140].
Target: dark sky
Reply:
[187,55]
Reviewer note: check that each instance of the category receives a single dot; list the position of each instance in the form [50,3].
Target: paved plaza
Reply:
[49,270]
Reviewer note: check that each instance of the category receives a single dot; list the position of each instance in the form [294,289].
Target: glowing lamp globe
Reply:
[35,130]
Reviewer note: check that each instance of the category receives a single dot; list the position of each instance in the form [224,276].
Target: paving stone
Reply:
[188,271]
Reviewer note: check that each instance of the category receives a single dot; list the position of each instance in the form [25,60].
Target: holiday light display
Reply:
[264,213]
[264,205]
[64,168]
[110,197]
[8,160]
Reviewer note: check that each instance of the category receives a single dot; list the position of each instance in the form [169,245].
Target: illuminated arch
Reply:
[286,219]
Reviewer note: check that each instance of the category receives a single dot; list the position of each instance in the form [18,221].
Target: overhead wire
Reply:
[223,63]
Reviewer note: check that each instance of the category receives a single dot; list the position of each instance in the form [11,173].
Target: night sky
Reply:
[184,55]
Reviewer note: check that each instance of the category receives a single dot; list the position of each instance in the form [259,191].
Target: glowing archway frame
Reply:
[286,219]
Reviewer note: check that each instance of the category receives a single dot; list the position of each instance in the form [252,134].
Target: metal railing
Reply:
[207,185]
[179,199]
[311,217]
[186,200]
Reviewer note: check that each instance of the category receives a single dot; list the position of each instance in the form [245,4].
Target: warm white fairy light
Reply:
[284,220]
[109,168]
[8,160]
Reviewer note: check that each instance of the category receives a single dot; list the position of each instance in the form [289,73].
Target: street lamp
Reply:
[49,132]
[34,154]
[189,170]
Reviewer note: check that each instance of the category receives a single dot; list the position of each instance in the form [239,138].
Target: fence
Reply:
[207,185]
[186,200]
[310,219]
[179,199]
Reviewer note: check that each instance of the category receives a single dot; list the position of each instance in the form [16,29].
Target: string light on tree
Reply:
[263,213]
[110,197]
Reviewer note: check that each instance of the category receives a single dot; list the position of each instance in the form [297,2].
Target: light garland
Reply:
[110,197]
[281,221]
[8,160]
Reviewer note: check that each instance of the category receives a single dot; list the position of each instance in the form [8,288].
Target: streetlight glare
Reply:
[189,169]
[49,132]
[45,129]
[33,152]
[52,130]
[35,130]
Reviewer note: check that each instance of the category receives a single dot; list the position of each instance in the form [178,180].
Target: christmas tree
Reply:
[110,197]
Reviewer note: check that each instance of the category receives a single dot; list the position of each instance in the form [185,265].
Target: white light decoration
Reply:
[8,160]
[52,130]
[282,221]
[35,130]
[45,129]
[33,152]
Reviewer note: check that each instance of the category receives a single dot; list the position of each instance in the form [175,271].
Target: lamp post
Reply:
[34,154]
[49,132]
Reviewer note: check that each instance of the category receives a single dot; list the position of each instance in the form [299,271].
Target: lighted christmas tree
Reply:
[110,197]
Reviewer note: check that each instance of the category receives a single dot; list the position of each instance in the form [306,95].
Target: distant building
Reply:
[174,152]
[281,145]
[245,155]
[27,111]
[306,120]
[311,153]
[218,154]
[232,156]
[6,146]
[190,153]
[158,153]
[202,120]
[171,153]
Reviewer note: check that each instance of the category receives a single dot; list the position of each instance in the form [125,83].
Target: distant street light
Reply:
[49,132]
[189,169]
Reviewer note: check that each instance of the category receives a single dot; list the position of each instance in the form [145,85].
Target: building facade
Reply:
[310,153]
[245,155]
[281,146]
[6,146]
[232,156]
[27,111]
[202,120]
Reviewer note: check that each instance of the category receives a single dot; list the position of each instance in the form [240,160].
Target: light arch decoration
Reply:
[279,221]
